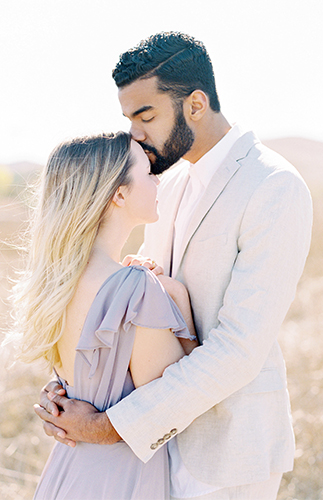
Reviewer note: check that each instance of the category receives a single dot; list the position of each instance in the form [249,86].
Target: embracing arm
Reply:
[272,247]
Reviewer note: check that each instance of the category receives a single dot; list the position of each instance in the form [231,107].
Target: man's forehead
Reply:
[139,96]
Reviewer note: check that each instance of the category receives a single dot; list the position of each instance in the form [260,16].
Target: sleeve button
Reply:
[167,436]
[173,432]
[161,441]
[154,446]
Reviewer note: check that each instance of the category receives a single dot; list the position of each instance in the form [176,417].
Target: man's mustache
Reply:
[150,149]
[158,164]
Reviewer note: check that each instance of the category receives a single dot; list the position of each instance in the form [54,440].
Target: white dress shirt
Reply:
[183,484]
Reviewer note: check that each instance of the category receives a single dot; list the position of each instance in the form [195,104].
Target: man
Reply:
[235,228]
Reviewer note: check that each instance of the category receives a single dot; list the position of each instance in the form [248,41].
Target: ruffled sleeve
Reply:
[131,296]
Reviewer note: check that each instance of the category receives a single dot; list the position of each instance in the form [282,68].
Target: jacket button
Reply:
[167,436]
[161,441]
[154,446]
[173,432]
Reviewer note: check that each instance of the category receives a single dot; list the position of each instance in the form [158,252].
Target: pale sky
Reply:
[56,58]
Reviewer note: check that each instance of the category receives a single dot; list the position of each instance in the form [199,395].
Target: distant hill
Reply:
[24,168]
[14,177]
[306,155]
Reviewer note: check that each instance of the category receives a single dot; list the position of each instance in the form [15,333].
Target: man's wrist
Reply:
[106,433]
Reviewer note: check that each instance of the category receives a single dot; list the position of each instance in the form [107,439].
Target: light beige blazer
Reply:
[243,254]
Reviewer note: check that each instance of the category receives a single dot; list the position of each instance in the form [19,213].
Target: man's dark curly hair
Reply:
[180,62]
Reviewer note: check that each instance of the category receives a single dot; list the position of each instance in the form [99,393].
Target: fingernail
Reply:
[61,434]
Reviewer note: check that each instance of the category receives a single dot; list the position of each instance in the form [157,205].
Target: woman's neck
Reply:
[112,235]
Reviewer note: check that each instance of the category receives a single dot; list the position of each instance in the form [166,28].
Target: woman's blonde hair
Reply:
[77,186]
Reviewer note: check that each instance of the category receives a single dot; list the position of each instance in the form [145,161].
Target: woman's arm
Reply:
[179,294]
[152,352]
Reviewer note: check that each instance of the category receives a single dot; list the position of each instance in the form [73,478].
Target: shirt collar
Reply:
[206,166]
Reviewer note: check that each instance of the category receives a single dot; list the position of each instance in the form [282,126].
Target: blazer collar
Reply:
[219,181]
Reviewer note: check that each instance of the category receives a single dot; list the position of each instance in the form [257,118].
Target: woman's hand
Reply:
[52,387]
[140,260]
[174,288]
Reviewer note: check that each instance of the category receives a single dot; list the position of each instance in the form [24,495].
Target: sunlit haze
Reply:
[56,58]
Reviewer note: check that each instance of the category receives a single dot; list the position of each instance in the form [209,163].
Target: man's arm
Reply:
[272,247]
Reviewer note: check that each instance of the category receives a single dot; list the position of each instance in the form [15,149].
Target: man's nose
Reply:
[137,133]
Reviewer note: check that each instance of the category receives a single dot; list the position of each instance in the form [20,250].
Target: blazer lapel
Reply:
[217,184]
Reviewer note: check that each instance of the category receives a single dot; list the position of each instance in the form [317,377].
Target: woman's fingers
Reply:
[158,270]
[139,260]
[52,387]
[50,428]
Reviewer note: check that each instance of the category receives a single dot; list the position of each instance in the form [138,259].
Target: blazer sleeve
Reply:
[273,244]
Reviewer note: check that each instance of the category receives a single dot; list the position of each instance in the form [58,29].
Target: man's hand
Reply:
[70,420]
[139,260]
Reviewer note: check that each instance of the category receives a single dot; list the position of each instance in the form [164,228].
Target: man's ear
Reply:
[119,197]
[196,105]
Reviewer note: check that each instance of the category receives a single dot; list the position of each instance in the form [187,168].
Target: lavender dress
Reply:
[131,296]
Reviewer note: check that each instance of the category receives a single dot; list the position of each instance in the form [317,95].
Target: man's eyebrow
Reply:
[141,110]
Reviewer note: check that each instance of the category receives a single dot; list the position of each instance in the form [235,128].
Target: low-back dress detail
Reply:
[131,297]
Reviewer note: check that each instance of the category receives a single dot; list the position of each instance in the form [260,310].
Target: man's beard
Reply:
[178,143]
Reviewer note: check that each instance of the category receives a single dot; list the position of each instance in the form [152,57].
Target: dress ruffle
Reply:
[139,299]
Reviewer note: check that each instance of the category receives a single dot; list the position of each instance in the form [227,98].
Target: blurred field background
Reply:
[23,445]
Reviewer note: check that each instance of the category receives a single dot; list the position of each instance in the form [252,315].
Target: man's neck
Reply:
[213,129]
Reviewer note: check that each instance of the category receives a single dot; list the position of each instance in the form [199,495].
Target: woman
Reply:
[104,328]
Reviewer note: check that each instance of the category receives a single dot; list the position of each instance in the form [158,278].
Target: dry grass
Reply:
[302,343]
[24,447]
